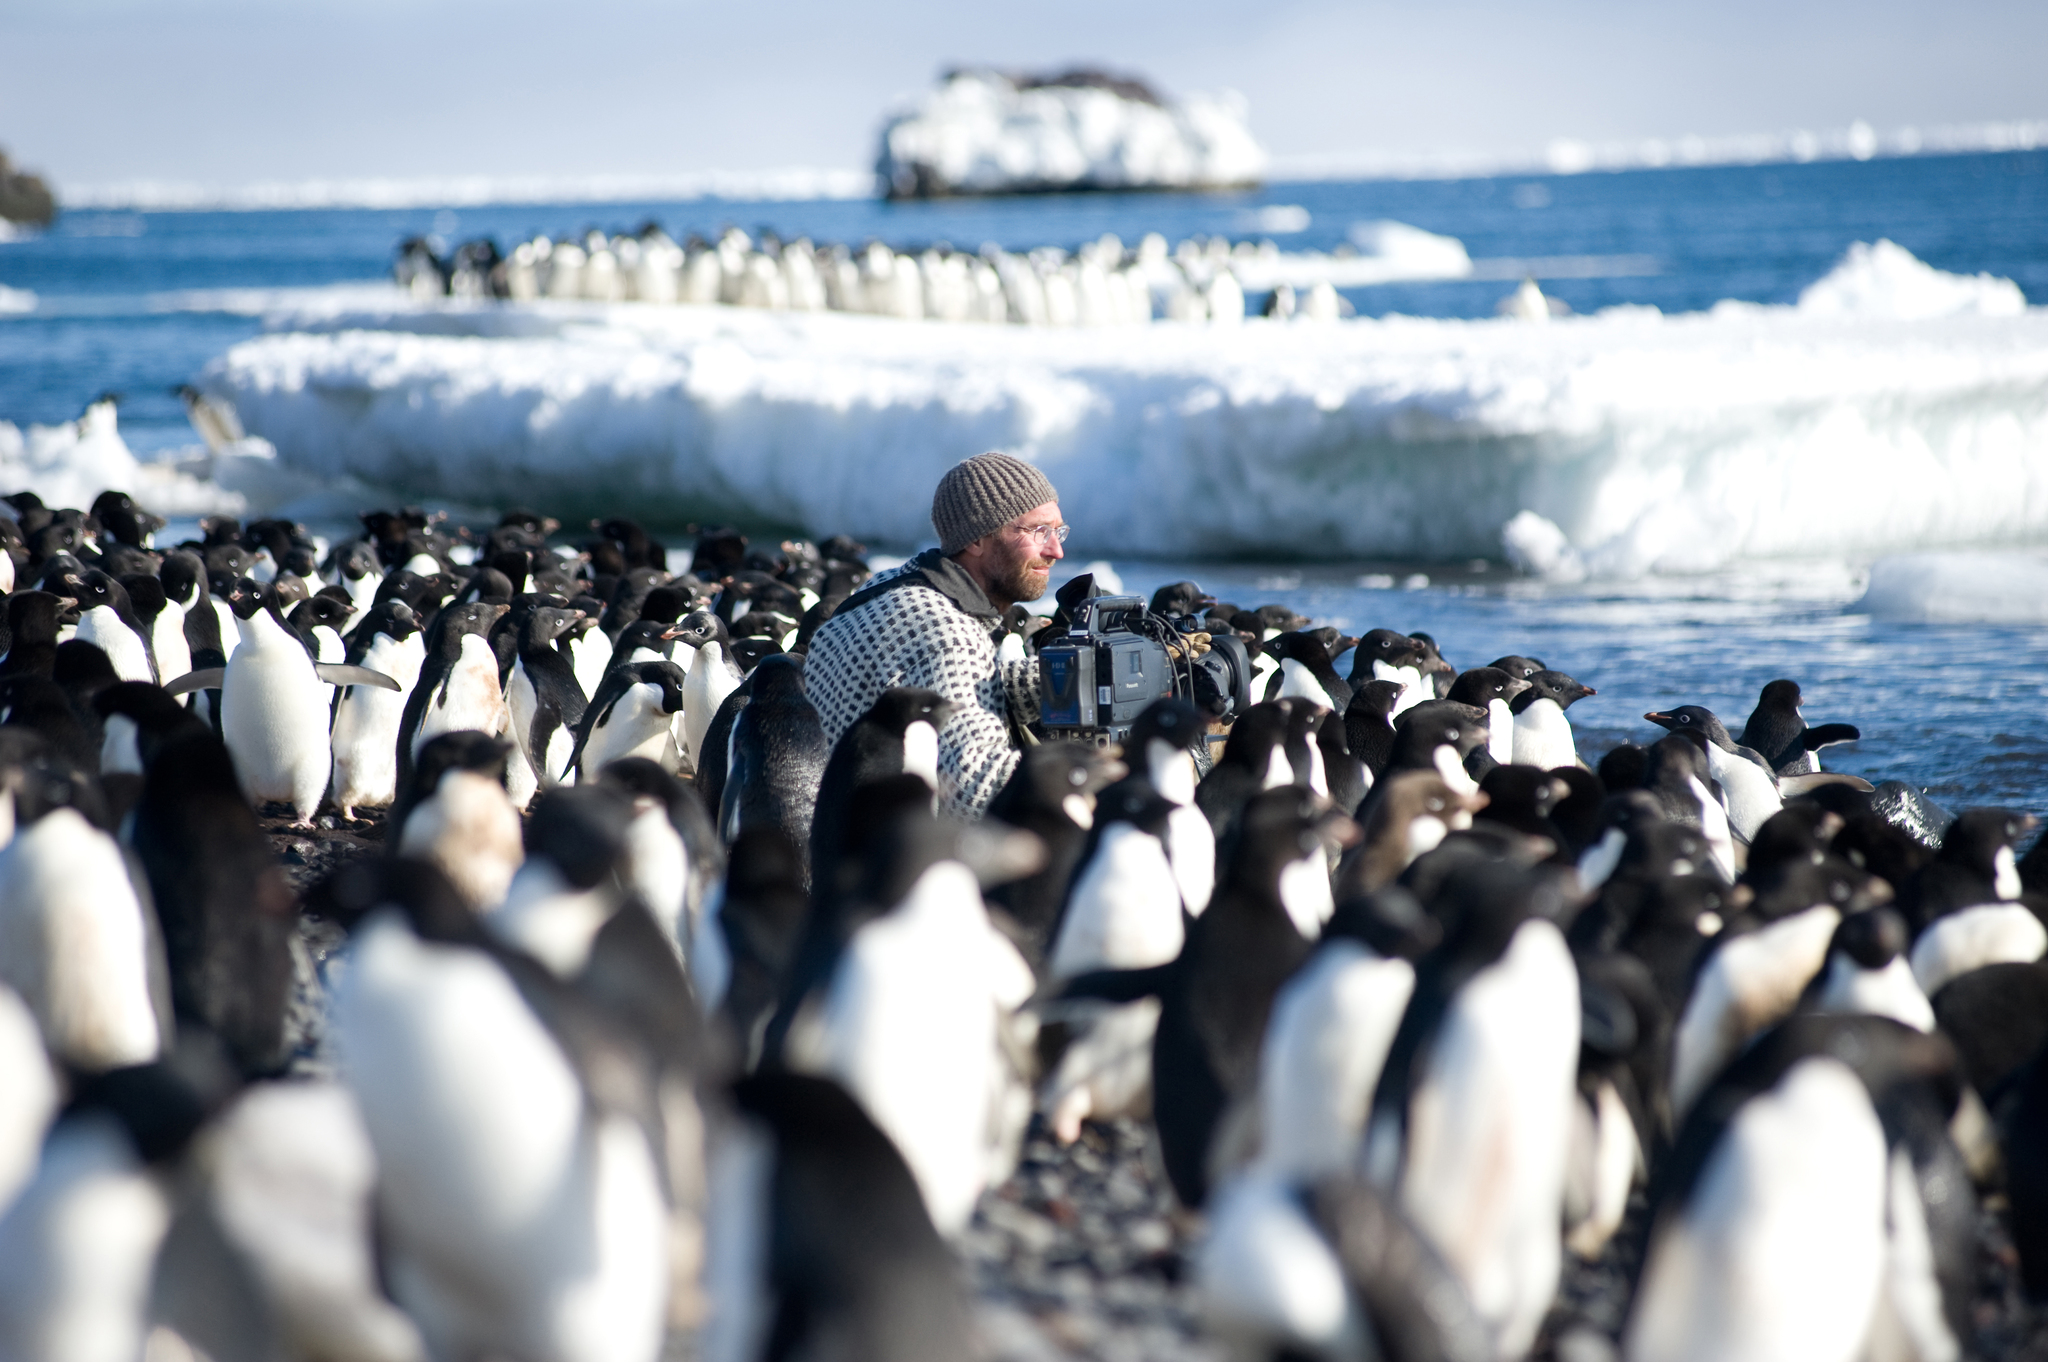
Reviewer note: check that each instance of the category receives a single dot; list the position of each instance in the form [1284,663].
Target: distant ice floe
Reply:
[1958,588]
[1645,442]
[72,463]
[16,300]
[992,132]
[1886,280]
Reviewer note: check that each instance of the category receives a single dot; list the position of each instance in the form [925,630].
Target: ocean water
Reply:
[1211,459]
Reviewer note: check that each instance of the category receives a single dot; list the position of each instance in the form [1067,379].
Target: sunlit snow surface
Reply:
[1893,408]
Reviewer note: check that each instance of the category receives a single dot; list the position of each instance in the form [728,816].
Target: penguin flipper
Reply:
[1825,735]
[1112,985]
[1417,1305]
[344,674]
[208,678]
[1799,785]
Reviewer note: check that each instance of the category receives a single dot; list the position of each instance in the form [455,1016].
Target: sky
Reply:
[226,92]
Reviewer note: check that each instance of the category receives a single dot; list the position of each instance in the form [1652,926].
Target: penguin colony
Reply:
[658,1024]
[1102,283]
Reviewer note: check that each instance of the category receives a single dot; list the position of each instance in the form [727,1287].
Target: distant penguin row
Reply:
[659,1024]
[1100,283]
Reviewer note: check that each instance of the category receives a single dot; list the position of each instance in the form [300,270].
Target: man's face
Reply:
[1019,557]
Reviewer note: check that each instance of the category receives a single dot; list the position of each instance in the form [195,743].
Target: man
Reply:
[931,622]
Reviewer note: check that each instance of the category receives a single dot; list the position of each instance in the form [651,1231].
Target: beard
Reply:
[1020,578]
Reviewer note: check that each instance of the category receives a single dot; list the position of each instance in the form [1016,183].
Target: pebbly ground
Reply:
[1084,1254]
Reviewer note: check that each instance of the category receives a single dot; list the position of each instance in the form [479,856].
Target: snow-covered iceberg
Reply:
[992,132]
[1647,442]
[1958,588]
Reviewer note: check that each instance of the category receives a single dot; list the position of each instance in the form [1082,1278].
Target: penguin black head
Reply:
[92,588]
[120,561]
[897,708]
[1549,685]
[1978,835]
[466,750]
[183,576]
[1181,598]
[1281,618]
[419,889]
[1482,685]
[1390,646]
[1438,723]
[700,627]
[652,635]
[1301,646]
[146,596]
[247,596]
[549,622]
[291,589]
[1051,773]
[156,714]
[1625,767]
[750,653]
[476,617]
[356,560]
[1133,802]
[1374,699]
[1697,717]
[1782,694]
[1872,938]
[666,604]
[488,585]
[159,1108]
[32,616]
[1514,665]
[1277,828]
[1254,736]
[321,610]
[1170,720]
[779,679]
[1798,832]
[582,830]
[1522,797]
[393,618]
[1670,760]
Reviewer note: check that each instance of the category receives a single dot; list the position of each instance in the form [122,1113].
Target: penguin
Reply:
[631,716]
[367,718]
[1814,1205]
[1161,748]
[1416,810]
[819,1242]
[458,688]
[1543,735]
[589,647]
[1369,725]
[543,697]
[273,708]
[752,931]
[1675,778]
[1439,673]
[647,641]
[124,522]
[1620,1123]
[777,756]
[227,913]
[164,620]
[32,622]
[107,621]
[81,949]
[710,774]
[80,1275]
[1306,672]
[712,677]
[1436,735]
[1521,668]
[898,734]
[673,860]
[319,621]
[1124,912]
[454,814]
[1254,760]
[1215,996]
[571,882]
[1779,733]
[1491,689]
[353,567]
[1050,795]
[546,1154]
[1473,1115]
[1867,973]
[1344,773]
[1386,655]
[913,1013]
[1746,779]
[1974,866]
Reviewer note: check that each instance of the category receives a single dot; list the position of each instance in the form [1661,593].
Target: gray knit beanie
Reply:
[981,495]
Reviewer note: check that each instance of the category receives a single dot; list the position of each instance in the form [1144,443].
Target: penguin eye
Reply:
[1435,803]
[1685,718]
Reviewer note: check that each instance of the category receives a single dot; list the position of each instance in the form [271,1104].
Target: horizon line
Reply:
[1560,157]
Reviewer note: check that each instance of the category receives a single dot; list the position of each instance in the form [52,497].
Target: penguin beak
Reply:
[1661,719]
[1516,685]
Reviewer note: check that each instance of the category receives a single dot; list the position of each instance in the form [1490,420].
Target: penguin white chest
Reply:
[103,628]
[1543,737]
[1500,731]
[274,718]
[1752,791]
[1299,682]
[1125,912]
[469,698]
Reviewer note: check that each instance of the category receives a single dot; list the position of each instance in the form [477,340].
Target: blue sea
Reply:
[140,302]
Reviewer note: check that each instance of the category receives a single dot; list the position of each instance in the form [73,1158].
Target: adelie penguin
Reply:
[367,719]
[899,734]
[107,620]
[1492,689]
[458,688]
[777,756]
[1050,795]
[1779,732]
[632,715]
[1306,672]
[1543,735]
[543,697]
[1752,789]
[453,813]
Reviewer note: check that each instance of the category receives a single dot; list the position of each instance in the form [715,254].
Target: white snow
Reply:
[1958,588]
[1649,442]
[1886,280]
[15,299]
[979,133]
[72,463]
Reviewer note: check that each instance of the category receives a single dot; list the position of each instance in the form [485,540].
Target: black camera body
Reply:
[1114,661]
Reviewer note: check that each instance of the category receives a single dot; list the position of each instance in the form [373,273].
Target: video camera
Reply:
[1118,657]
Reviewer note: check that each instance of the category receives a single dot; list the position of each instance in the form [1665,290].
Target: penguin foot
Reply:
[1073,1108]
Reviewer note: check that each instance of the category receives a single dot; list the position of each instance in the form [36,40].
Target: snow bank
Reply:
[70,464]
[1886,280]
[1958,588]
[984,132]
[1648,442]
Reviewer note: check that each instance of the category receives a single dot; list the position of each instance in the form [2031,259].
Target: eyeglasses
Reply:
[1044,534]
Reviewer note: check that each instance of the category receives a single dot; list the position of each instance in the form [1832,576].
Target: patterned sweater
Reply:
[928,624]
